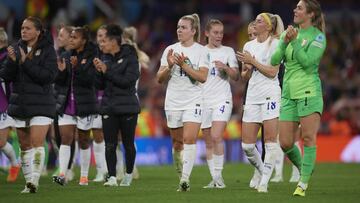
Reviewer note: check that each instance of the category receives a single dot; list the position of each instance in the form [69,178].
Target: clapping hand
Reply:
[291,34]
[11,53]
[99,65]
[244,57]
[61,64]
[170,58]
[73,61]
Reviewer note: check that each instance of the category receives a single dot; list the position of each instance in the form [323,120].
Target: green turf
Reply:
[330,183]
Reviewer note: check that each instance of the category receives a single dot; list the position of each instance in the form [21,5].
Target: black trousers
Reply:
[126,124]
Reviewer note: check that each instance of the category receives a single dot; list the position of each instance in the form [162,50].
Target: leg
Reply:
[119,159]
[85,155]
[249,137]
[271,146]
[191,130]
[9,151]
[309,127]
[217,130]
[67,133]
[295,174]
[127,127]
[177,150]
[288,131]
[99,153]
[209,150]
[38,135]
[111,129]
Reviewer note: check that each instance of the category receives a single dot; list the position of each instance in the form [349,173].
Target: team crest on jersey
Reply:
[120,61]
[320,38]
[303,43]
[38,52]
[83,61]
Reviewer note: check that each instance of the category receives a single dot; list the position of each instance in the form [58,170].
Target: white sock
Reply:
[38,164]
[210,163]
[10,154]
[253,156]
[218,165]
[119,158]
[99,153]
[279,161]
[64,157]
[85,155]
[188,160]
[26,163]
[269,161]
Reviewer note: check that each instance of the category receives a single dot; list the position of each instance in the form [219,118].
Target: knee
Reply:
[178,146]
[110,147]
[248,148]
[217,139]
[286,146]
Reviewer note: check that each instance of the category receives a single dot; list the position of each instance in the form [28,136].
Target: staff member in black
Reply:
[31,67]
[120,105]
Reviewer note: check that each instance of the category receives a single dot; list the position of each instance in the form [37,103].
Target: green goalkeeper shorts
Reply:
[293,109]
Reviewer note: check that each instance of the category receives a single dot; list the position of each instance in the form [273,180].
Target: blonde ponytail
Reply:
[195,24]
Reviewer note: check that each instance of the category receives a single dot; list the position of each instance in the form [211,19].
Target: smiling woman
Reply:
[181,63]
[302,103]
[120,106]
[32,69]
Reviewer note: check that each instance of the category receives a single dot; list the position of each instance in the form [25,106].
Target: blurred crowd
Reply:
[156,23]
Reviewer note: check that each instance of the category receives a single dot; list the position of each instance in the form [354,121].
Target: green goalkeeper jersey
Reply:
[302,57]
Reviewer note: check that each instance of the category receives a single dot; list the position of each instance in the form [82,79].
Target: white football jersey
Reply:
[181,93]
[262,88]
[217,87]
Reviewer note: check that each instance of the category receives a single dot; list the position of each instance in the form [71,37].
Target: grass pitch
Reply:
[330,183]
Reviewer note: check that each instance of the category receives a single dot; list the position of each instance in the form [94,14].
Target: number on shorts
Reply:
[222,108]
[271,105]
[198,112]
[213,72]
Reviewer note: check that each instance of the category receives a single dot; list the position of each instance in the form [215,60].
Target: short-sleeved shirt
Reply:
[181,93]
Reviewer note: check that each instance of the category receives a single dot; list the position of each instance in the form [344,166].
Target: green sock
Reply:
[295,156]
[308,163]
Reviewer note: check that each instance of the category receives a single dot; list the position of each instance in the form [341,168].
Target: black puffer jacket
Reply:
[83,83]
[32,90]
[119,83]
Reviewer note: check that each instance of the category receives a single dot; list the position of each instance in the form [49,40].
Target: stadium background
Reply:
[339,138]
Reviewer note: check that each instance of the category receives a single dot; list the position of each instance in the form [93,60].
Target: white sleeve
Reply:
[273,46]
[163,61]
[204,58]
[233,63]
[246,48]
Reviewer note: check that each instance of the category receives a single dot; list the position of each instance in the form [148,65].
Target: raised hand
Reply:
[291,34]
[61,64]
[244,57]
[73,61]
[23,55]
[170,58]
[99,65]
[11,53]
[180,59]
[220,65]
